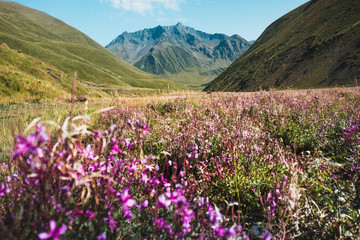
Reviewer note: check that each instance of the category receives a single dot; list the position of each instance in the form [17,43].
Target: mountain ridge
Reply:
[315,45]
[188,50]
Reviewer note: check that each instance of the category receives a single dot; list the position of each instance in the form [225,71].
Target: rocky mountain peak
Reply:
[178,49]
[158,32]
[180,26]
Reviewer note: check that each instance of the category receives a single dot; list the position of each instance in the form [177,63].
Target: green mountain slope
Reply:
[167,57]
[174,63]
[49,39]
[25,78]
[315,45]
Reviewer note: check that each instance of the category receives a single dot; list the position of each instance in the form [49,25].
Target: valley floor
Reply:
[269,164]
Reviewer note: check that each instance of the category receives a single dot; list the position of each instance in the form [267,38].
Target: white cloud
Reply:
[144,6]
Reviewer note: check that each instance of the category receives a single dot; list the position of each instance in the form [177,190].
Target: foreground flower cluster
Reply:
[271,165]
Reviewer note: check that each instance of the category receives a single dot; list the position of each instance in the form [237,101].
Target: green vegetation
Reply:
[316,45]
[49,39]
[167,57]
[27,79]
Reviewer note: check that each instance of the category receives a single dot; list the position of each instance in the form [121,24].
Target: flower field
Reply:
[265,165]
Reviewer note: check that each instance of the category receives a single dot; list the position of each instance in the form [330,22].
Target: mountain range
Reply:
[50,40]
[316,45]
[179,53]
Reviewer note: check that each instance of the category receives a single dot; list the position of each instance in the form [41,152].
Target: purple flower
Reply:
[143,127]
[40,131]
[27,145]
[163,202]
[57,207]
[144,178]
[112,222]
[231,232]
[4,190]
[214,216]
[30,145]
[102,237]
[4,166]
[201,201]
[110,219]
[188,215]
[127,213]
[145,204]
[89,214]
[127,200]
[127,142]
[267,236]
[88,152]
[54,232]
[115,148]
[159,222]
[220,231]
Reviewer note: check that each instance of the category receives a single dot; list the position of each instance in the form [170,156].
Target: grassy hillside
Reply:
[174,63]
[167,57]
[316,45]
[25,78]
[49,39]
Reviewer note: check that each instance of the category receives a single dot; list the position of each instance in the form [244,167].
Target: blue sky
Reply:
[103,20]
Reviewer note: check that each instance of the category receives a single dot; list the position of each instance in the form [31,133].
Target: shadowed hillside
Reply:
[315,45]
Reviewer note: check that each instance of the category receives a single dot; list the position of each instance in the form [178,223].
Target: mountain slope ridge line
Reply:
[178,52]
[313,46]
